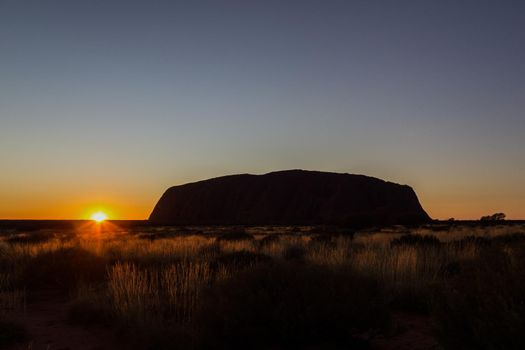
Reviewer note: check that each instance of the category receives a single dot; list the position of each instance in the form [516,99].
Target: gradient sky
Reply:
[105,104]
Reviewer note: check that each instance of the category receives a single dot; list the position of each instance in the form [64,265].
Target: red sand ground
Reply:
[46,322]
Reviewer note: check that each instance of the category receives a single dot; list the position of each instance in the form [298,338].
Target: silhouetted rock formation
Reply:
[289,197]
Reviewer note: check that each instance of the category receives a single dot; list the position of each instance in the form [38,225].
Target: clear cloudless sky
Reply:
[104,104]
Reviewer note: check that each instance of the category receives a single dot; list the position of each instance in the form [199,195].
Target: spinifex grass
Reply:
[159,285]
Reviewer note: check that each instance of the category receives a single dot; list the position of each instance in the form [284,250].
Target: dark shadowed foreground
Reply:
[46,327]
[448,286]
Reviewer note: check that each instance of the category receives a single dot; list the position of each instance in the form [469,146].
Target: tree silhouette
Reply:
[494,217]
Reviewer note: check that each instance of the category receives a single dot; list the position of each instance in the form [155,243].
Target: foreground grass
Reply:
[224,288]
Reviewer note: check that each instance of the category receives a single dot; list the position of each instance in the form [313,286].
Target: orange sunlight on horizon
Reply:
[126,204]
[42,209]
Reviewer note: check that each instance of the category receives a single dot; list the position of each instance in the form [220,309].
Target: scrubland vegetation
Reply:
[274,287]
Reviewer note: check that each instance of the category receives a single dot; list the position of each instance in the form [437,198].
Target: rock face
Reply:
[287,198]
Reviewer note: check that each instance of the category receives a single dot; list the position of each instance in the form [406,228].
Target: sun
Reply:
[99,216]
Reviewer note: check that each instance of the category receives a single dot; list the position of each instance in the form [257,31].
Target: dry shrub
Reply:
[472,240]
[140,295]
[235,246]
[407,272]
[234,236]
[269,239]
[63,268]
[91,306]
[239,260]
[290,306]
[30,238]
[11,298]
[337,253]
[134,292]
[483,306]
[513,238]
[415,239]
[294,252]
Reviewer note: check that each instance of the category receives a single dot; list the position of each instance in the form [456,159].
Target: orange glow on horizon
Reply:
[59,204]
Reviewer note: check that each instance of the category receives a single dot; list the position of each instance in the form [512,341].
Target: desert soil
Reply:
[412,332]
[45,319]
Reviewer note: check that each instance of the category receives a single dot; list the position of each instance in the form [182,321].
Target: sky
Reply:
[105,104]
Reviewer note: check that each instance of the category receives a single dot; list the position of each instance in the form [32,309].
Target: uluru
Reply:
[289,197]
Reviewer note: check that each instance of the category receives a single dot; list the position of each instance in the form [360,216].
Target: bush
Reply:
[92,309]
[294,252]
[512,238]
[289,306]
[30,238]
[63,268]
[269,239]
[415,239]
[235,236]
[323,239]
[240,259]
[473,240]
[450,269]
[483,306]
[493,217]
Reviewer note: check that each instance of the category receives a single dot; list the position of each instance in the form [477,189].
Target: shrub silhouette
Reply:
[240,259]
[510,239]
[415,239]
[294,253]
[483,306]
[233,236]
[89,311]
[269,239]
[32,238]
[323,238]
[450,269]
[290,306]
[64,268]
[494,217]
[473,240]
